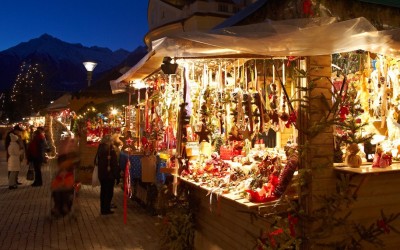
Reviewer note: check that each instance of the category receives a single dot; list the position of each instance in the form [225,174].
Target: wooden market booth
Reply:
[228,220]
[94,113]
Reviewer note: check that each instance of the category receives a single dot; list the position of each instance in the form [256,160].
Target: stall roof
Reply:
[60,104]
[392,3]
[296,37]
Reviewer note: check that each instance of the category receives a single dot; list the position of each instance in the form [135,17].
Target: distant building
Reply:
[166,17]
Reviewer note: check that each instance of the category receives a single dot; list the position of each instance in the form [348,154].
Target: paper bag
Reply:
[149,168]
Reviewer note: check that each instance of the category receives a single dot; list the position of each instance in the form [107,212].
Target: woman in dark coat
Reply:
[107,163]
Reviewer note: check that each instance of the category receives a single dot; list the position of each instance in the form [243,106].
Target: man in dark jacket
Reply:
[37,154]
[107,163]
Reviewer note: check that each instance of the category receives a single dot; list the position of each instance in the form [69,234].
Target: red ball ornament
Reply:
[284,117]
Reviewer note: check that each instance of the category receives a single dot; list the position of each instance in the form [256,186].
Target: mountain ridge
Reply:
[62,66]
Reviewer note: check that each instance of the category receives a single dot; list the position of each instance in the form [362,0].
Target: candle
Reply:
[273,73]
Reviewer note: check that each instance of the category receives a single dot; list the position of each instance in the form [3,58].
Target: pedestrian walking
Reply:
[63,185]
[15,153]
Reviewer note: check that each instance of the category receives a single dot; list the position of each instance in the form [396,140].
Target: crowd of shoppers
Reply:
[25,145]
[28,146]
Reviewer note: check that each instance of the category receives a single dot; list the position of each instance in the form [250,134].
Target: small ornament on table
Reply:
[386,160]
[382,159]
[377,157]
[353,160]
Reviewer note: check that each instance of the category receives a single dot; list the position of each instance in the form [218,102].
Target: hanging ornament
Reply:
[343,112]
[286,175]
[292,119]
[307,8]
[203,133]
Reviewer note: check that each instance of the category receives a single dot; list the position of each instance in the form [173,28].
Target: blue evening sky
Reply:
[112,24]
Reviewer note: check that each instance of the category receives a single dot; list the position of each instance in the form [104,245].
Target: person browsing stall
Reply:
[107,163]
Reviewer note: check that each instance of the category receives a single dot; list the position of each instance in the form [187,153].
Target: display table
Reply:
[366,168]
[144,192]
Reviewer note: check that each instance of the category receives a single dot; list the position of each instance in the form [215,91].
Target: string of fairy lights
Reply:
[28,85]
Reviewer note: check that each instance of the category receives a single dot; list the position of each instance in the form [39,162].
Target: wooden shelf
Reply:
[366,168]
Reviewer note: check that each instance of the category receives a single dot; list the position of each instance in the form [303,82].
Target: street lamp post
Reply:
[89,68]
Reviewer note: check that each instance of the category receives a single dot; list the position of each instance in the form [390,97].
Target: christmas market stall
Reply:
[92,117]
[250,120]
[58,121]
[142,154]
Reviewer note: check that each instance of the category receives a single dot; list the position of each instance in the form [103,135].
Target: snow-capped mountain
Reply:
[61,62]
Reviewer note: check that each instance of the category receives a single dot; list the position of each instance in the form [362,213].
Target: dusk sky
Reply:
[111,24]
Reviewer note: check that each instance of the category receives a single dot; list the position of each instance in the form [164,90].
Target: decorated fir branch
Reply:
[349,122]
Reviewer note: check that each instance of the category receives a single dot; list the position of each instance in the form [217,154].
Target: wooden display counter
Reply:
[376,191]
[145,179]
[227,221]
[366,168]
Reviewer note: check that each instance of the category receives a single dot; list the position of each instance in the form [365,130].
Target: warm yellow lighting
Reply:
[114,111]
[139,85]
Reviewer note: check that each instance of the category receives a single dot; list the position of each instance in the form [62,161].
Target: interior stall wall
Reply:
[372,193]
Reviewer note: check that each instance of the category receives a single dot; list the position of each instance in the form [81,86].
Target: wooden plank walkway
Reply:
[26,222]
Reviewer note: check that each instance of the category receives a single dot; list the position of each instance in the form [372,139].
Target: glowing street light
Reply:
[89,66]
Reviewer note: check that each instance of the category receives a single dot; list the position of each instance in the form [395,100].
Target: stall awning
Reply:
[146,66]
[60,104]
[391,3]
[299,37]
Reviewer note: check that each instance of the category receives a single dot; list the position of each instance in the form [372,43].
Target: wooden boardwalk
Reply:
[25,221]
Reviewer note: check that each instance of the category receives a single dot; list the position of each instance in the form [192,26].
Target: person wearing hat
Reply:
[17,130]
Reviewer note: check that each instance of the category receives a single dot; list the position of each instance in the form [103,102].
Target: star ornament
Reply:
[129,141]
[203,134]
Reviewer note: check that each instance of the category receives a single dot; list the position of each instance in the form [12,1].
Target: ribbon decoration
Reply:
[292,223]
[272,234]
[146,111]
[210,193]
[127,189]
[383,226]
